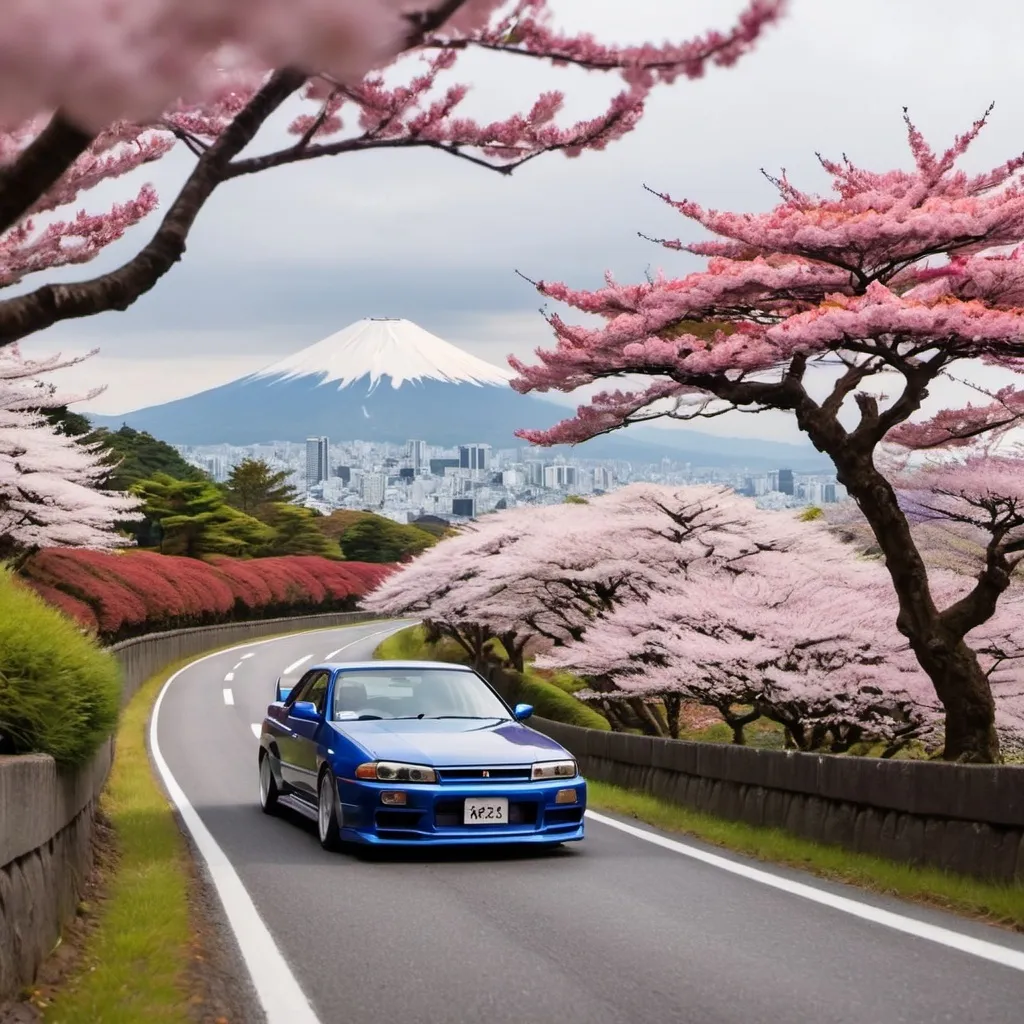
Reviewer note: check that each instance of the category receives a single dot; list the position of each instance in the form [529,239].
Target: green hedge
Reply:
[59,691]
[551,697]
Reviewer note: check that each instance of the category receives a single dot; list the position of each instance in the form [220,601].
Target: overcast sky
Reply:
[285,258]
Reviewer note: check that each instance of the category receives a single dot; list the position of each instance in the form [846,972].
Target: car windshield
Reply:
[419,693]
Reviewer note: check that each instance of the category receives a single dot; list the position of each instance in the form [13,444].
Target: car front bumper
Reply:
[433,814]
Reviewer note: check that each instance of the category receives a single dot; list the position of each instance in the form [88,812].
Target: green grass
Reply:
[136,960]
[59,690]
[550,693]
[997,904]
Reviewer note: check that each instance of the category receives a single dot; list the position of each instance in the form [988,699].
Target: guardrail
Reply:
[967,819]
[47,815]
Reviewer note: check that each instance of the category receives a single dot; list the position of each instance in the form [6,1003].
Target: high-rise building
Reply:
[373,487]
[418,456]
[463,507]
[558,476]
[474,457]
[786,481]
[317,460]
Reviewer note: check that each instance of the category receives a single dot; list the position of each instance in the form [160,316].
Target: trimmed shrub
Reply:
[125,594]
[59,691]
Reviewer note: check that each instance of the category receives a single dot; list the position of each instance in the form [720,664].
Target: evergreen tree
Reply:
[253,487]
[193,519]
[377,539]
[296,532]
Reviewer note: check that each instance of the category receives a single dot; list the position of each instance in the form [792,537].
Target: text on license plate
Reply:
[488,811]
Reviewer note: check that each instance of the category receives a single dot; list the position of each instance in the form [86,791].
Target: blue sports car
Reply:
[414,753]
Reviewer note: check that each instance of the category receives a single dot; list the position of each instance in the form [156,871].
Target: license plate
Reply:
[489,811]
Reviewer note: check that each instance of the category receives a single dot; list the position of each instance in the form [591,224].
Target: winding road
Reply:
[628,927]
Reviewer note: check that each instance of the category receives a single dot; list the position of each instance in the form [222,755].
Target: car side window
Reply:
[300,688]
[317,691]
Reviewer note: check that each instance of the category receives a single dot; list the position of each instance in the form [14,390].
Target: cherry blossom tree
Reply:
[883,287]
[49,483]
[91,94]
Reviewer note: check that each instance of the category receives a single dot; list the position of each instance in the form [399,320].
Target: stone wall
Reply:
[967,819]
[47,815]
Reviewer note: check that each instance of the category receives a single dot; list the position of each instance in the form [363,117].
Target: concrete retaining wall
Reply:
[47,815]
[968,819]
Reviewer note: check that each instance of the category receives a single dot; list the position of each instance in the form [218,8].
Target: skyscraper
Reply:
[418,456]
[475,457]
[786,481]
[317,460]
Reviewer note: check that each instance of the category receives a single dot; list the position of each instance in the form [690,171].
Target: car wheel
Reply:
[327,813]
[268,786]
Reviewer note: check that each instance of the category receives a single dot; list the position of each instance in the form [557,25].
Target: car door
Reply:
[284,734]
[304,735]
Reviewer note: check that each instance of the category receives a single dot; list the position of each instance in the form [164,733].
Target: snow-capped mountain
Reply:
[391,380]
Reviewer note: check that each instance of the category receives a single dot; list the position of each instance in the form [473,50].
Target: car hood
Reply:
[451,743]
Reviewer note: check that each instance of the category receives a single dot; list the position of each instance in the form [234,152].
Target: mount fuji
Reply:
[388,380]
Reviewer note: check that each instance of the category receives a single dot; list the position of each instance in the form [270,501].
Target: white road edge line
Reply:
[257,729]
[277,989]
[1012,958]
[229,697]
[295,664]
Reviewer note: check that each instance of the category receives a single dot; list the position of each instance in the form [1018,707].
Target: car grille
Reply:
[516,773]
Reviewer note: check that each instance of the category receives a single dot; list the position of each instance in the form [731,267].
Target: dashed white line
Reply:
[249,655]
[229,677]
[257,729]
[229,697]
[908,925]
[237,666]
[296,664]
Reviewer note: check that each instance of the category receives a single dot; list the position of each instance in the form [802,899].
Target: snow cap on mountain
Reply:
[378,348]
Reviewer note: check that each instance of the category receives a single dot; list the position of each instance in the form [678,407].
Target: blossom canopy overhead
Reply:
[93,92]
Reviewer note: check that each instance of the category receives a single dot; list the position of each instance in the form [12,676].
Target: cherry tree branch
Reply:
[118,289]
[39,167]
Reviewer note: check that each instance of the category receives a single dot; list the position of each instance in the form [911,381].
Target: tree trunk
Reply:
[738,723]
[648,721]
[673,712]
[950,664]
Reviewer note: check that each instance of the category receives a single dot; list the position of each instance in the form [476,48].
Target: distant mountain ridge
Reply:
[390,380]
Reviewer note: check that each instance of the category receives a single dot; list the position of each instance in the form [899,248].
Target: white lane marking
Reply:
[249,655]
[295,664]
[933,933]
[257,729]
[229,697]
[236,666]
[229,677]
[277,989]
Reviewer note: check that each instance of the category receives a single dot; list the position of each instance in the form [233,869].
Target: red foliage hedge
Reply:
[134,592]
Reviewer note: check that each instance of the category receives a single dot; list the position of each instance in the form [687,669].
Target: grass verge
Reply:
[996,904]
[137,958]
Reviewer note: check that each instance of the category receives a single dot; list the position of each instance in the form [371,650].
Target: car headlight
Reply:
[395,771]
[553,770]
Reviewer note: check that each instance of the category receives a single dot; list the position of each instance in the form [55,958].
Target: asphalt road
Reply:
[613,930]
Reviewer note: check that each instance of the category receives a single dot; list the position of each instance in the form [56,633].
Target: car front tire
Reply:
[268,786]
[328,827]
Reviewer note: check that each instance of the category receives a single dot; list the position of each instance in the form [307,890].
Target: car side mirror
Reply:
[304,711]
[523,711]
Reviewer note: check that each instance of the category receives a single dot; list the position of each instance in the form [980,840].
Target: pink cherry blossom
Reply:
[894,278]
[131,81]
[50,493]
